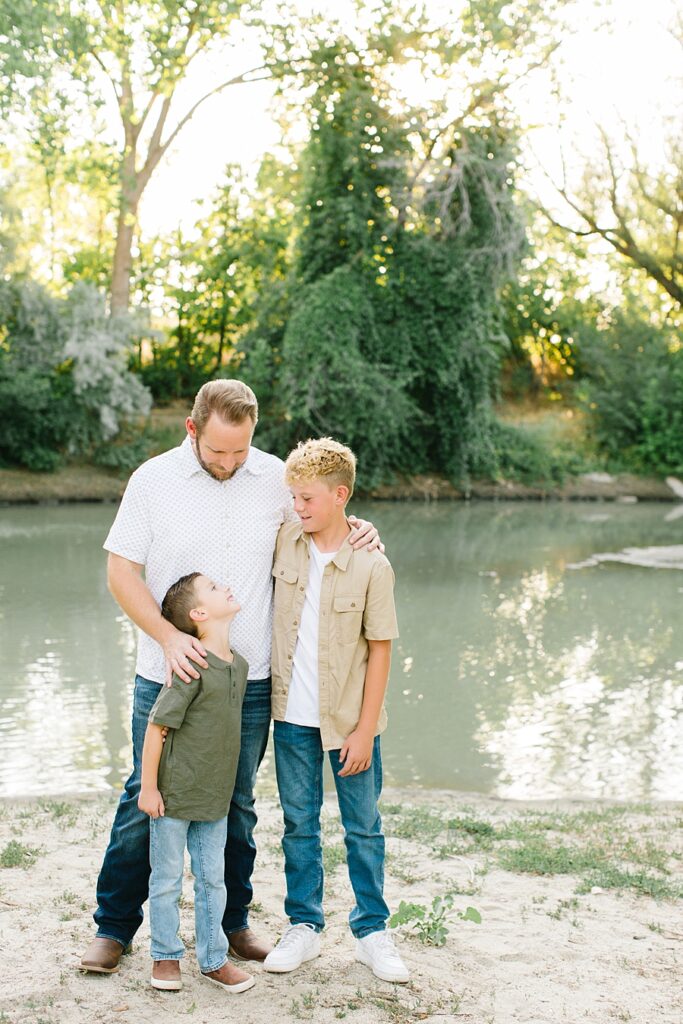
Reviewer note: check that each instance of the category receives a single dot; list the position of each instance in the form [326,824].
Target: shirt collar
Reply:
[341,558]
[254,464]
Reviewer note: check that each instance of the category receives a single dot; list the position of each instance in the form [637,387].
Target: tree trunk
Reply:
[123,258]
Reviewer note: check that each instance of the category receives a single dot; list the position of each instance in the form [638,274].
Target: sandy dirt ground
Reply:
[545,951]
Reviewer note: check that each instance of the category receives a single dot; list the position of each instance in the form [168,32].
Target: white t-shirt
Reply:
[303,699]
[175,518]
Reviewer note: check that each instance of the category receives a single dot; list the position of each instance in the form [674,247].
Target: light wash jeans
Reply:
[299,767]
[206,842]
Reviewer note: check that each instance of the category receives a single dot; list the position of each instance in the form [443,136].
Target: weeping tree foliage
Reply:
[391,341]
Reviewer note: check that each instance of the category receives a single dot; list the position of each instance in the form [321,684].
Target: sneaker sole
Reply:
[240,986]
[384,975]
[286,970]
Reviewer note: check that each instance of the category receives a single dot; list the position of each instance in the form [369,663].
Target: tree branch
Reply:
[237,80]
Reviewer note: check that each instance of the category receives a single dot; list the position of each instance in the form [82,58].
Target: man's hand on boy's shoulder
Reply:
[183,653]
[151,802]
[364,535]
[356,753]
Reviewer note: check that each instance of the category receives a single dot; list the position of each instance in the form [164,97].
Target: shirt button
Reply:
[296,622]
[282,572]
[301,588]
[353,604]
[289,657]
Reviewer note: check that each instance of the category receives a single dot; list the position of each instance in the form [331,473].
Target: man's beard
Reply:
[220,475]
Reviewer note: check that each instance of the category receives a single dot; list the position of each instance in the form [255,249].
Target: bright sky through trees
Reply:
[615,68]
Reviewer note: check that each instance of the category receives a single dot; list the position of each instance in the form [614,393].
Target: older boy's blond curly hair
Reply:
[322,458]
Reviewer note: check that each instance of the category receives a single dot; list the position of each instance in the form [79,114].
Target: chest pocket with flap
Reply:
[348,614]
[286,579]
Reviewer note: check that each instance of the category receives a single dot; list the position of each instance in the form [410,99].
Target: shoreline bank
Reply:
[579,917]
[91,484]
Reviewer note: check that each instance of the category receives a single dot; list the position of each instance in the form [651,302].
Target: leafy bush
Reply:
[635,394]
[516,453]
[38,416]
[177,370]
[65,387]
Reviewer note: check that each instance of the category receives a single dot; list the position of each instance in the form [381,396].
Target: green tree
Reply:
[137,51]
[392,340]
[232,272]
[634,392]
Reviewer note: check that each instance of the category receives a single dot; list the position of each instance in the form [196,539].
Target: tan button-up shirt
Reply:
[356,605]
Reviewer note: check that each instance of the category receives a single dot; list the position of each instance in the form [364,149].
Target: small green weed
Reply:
[308,1000]
[562,906]
[431,925]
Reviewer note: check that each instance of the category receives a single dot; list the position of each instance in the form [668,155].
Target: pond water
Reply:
[526,668]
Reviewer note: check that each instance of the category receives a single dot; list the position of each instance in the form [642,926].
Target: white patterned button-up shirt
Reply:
[174,519]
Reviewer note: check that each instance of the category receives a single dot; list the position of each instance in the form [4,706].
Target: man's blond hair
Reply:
[232,400]
[322,458]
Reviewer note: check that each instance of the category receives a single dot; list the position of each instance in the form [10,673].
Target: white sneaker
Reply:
[378,952]
[299,943]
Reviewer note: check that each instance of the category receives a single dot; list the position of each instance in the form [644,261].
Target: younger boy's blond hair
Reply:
[321,458]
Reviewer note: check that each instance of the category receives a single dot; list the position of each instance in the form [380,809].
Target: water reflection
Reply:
[541,682]
[514,674]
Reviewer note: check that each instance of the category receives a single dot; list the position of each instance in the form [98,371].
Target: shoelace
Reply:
[386,943]
[292,934]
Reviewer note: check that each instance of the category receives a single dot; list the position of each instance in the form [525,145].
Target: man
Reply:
[213,505]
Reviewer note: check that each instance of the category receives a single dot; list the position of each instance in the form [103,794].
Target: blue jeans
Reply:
[123,883]
[299,766]
[206,842]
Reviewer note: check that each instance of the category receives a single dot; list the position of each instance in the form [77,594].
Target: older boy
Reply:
[187,784]
[333,627]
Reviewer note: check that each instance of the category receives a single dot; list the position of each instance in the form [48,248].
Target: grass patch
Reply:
[65,814]
[612,877]
[593,865]
[18,855]
[538,857]
[411,822]
[600,846]
[334,854]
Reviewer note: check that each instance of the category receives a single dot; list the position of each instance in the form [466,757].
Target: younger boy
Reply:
[333,627]
[187,784]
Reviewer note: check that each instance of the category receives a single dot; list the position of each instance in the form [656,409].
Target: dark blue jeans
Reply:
[299,765]
[123,883]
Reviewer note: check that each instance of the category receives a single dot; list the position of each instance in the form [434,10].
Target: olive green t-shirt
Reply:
[199,761]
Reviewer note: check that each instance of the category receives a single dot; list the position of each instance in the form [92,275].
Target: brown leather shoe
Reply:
[166,975]
[230,978]
[244,945]
[102,956]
